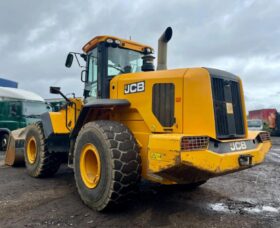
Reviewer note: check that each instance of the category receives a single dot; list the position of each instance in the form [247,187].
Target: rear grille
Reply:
[163,103]
[237,108]
[191,143]
[220,106]
[227,108]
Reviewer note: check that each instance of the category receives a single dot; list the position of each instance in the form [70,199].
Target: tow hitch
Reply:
[245,160]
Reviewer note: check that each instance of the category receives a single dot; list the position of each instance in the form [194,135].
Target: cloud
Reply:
[238,36]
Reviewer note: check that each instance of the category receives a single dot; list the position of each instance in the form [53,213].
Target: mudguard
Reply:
[97,104]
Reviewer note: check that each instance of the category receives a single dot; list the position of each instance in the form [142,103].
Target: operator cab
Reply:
[107,57]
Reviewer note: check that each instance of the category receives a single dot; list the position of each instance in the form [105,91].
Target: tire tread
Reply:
[125,160]
[49,162]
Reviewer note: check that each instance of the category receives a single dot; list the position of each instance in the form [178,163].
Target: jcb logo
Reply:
[134,87]
[238,146]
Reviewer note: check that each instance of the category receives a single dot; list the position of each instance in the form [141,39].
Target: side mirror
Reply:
[55,90]
[69,60]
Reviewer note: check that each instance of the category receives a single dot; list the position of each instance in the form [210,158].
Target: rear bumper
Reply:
[168,164]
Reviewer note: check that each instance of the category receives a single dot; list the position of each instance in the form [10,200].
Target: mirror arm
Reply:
[66,98]
[56,90]
[77,60]
[75,54]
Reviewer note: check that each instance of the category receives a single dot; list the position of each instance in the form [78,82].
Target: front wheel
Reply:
[39,161]
[107,164]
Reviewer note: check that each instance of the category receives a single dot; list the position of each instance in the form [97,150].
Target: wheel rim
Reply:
[90,166]
[31,150]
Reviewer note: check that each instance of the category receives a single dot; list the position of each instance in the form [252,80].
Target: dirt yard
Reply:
[250,198]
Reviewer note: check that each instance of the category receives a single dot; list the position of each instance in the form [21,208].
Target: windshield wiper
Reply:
[116,67]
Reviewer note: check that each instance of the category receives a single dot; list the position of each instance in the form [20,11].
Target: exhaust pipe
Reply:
[162,49]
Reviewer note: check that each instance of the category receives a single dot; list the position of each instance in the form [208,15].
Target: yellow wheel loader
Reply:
[180,126]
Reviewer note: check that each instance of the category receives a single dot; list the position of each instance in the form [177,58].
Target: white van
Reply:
[255,125]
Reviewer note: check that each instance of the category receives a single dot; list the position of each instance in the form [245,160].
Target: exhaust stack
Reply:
[162,49]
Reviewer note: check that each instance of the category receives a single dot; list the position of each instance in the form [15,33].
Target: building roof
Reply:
[20,94]
[8,83]
[129,44]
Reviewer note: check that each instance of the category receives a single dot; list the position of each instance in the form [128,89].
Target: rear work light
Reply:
[109,41]
[190,143]
[264,136]
[118,42]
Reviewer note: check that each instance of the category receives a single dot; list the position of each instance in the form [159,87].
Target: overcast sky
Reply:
[240,36]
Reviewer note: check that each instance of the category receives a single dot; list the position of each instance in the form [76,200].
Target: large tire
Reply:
[117,170]
[38,160]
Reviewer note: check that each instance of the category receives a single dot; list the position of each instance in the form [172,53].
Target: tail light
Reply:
[191,143]
[264,136]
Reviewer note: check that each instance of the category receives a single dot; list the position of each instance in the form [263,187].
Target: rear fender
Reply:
[95,110]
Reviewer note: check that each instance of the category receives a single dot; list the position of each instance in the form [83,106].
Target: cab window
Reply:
[92,74]
[121,61]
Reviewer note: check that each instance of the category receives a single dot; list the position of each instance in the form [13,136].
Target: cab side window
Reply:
[92,74]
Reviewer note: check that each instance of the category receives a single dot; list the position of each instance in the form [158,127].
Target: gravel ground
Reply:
[250,198]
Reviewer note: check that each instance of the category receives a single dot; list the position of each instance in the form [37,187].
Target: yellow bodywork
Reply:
[163,160]
[58,119]
[194,114]
[165,154]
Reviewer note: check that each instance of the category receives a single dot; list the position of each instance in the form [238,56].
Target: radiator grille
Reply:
[237,108]
[220,106]
[163,103]
[228,108]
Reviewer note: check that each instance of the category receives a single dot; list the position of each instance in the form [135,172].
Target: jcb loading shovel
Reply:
[179,126]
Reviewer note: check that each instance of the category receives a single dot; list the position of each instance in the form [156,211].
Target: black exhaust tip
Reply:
[167,34]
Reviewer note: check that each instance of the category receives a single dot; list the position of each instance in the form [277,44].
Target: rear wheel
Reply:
[38,160]
[107,164]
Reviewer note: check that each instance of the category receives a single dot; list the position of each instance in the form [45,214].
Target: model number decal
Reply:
[136,87]
[156,156]
[238,146]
